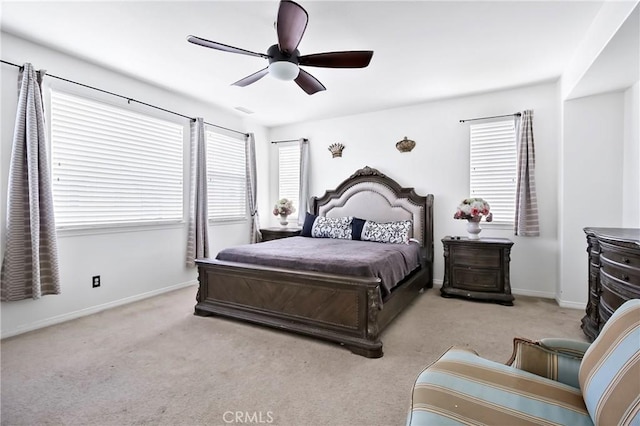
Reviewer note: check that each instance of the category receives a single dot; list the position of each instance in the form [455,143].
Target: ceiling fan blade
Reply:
[350,59]
[290,25]
[309,83]
[223,47]
[251,78]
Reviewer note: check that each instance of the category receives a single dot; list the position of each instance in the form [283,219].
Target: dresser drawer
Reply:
[614,293]
[621,273]
[620,256]
[477,257]
[477,279]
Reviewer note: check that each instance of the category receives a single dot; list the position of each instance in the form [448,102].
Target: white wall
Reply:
[133,264]
[631,158]
[439,164]
[592,192]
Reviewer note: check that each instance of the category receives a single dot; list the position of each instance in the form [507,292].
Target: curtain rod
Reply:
[516,114]
[129,100]
[291,140]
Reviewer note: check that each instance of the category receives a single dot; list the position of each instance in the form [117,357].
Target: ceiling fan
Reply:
[284,57]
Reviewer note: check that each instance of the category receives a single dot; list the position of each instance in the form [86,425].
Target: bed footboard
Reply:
[336,308]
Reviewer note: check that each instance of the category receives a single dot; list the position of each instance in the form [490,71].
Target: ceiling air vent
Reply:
[243,109]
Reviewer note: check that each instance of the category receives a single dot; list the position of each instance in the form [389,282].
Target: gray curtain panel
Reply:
[303,195]
[252,189]
[198,235]
[526,220]
[30,263]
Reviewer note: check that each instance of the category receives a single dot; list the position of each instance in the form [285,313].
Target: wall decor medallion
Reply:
[405,145]
[336,149]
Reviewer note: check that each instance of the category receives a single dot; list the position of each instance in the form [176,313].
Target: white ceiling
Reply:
[423,50]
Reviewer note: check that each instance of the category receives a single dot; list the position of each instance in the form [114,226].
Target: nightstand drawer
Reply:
[269,234]
[477,269]
[476,257]
[477,279]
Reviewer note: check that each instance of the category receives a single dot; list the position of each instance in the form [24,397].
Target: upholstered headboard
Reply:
[369,194]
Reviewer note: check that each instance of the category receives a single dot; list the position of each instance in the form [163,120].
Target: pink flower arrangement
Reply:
[283,207]
[473,209]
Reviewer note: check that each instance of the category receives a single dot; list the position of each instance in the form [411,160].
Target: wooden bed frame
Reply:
[337,308]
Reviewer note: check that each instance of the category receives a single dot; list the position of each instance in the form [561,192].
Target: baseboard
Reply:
[571,305]
[533,293]
[93,309]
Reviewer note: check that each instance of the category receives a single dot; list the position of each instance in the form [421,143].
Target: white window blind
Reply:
[112,166]
[493,167]
[289,173]
[226,177]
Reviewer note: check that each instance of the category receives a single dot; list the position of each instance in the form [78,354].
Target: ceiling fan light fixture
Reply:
[284,56]
[283,70]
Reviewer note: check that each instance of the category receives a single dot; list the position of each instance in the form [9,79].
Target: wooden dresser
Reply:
[614,274]
[477,269]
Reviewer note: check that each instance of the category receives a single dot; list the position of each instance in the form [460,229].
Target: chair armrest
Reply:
[556,359]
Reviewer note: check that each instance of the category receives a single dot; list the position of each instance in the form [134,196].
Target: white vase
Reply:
[473,229]
[283,220]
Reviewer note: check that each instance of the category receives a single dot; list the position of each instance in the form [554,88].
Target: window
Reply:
[112,166]
[226,177]
[289,173]
[493,167]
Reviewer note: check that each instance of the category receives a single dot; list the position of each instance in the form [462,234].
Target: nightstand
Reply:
[276,233]
[477,269]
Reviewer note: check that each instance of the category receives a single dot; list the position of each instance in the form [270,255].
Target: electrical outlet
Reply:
[96,281]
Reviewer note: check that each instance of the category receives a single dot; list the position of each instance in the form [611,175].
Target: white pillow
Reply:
[389,232]
[332,227]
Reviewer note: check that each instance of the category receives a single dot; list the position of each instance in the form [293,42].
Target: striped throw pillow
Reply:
[561,365]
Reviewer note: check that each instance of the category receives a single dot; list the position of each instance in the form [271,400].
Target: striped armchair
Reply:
[553,381]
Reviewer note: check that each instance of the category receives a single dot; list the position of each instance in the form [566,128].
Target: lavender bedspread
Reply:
[389,262]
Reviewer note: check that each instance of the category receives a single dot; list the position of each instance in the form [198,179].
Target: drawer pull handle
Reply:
[626,260]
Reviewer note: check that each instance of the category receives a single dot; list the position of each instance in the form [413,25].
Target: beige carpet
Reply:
[154,362]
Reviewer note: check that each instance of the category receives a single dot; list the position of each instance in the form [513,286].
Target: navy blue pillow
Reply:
[308,224]
[356,228]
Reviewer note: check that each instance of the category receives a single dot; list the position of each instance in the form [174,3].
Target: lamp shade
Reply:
[283,70]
